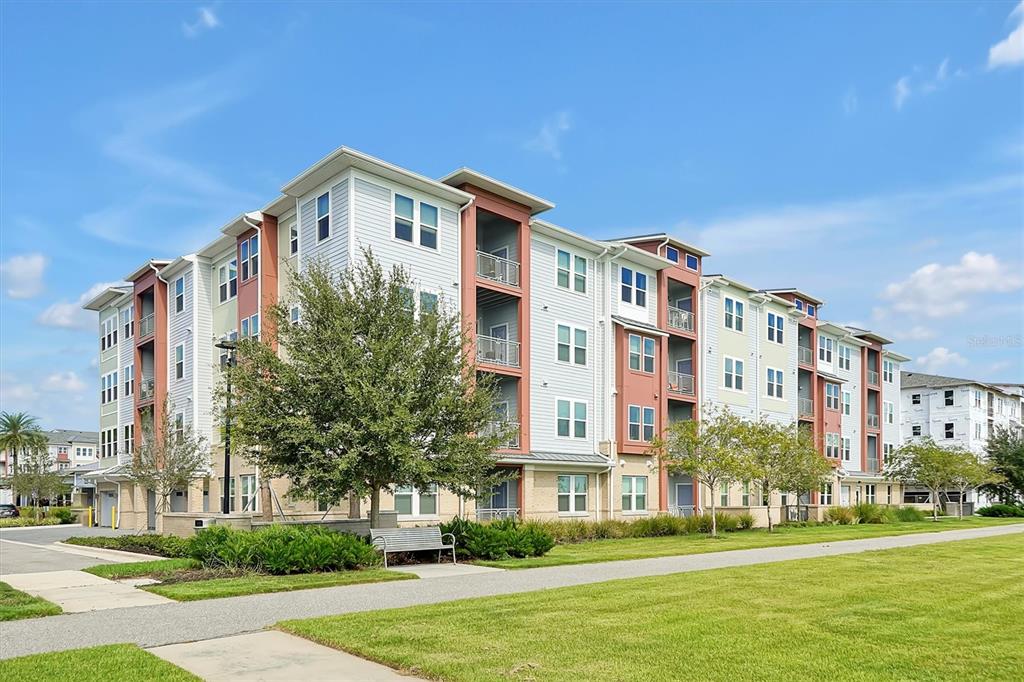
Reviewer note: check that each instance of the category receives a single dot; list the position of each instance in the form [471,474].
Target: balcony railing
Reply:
[147,325]
[806,406]
[680,383]
[680,319]
[681,510]
[873,466]
[497,268]
[147,388]
[495,514]
[872,377]
[497,351]
[873,421]
[806,355]
[509,428]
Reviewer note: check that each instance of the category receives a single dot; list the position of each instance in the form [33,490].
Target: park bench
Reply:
[411,540]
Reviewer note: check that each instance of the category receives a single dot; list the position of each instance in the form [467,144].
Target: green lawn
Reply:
[15,605]
[122,662]
[256,583]
[645,548]
[138,569]
[936,612]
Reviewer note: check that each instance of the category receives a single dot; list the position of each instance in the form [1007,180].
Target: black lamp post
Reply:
[227,361]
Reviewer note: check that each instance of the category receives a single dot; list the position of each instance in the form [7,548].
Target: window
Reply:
[847,397]
[323,217]
[227,280]
[733,314]
[888,412]
[888,370]
[798,303]
[745,499]
[108,388]
[572,419]
[947,430]
[128,442]
[428,226]
[672,254]
[108,333]
[634,493]
[869,493]
[579,277]
[832,445]
[648,434]
[692,263]
[810,310]
[179,428]
[774,383]
[412,502]
[734,374]
[641,353]
[179,295]
[179,361]
[824,349]
[826,494]
[572,269]
[977,398]
[129,380]
[977,431]
[231,493]
[251,327]
[293,315]
[128,322]
[847,450]
[723,494]
[293,239]
[250,497]
[887,450]
[572,493]
[249,256]
[844,357]
[915,399]
[634,287]
[775,327]
[832,396]
[949,398]
[641,423]
[572,345]
[428,302]
[404,207]
[915,430]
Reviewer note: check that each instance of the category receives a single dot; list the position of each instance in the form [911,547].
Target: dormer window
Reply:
[810,310]
[672,253]
[799,304]
[692,262]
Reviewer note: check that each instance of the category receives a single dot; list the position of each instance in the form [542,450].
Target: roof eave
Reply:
[468,176]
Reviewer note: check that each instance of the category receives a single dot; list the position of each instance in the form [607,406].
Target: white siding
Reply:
[852,424]
[126,356]
[333,251]
[179,328]
[204,299]
[647,314]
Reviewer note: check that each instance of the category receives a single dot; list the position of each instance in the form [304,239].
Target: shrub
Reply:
[844,516]
[62,514]
[744,521]
[868,512]
[907,514]
[726,522]
[500,539]
[1002,510]
[146,543]
[23,521]
[281,549]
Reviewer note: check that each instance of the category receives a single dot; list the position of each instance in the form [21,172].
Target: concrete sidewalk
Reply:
[79,592]
[151,626]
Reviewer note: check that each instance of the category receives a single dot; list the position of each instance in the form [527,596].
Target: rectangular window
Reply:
[579,277]
[977,431]
[734,374]
[775,328]
[108,334]
[250,496]
[571,419]
[798,303]
[977,398]
[323,217]
[227,281]
[128,322]
[915,430]
[572,493]
[634,493]
[641,289]
[832,445]
[428,226]
[844,357]
[634,422]
[672,254]
[691,262]
[888,412]
[648,434]
[572,345]
[745,499]
[293,239]
[129,439]
[404,207]
[635,354]
[571,268]
[733,314]
[564,259]
[947,430]
[179,427]
[774,383]
[869,493]
[179,361]
[634,287]
[410,501]
[723,494]
[179,294]
[887,450]
[428,302]
[887,371]
[579,421]
[810,310]
[832,400]
[847,397]
[915,399]
[847,449]
[948,395]
[649,355]
[826,494]
[294,315]
[825,349]
[251,327]
[129,380]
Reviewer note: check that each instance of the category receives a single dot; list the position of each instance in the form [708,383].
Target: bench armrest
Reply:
[381,538]
[448,535]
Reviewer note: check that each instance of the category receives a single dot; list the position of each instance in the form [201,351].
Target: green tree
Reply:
[19,434]
[926,463]
[36,477]
[372,390]
[709,450]
[969,473]
[1005,452]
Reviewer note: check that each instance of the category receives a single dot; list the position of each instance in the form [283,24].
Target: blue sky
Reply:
[870,153]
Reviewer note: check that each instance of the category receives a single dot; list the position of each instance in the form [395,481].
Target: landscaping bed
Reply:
[122,662]
[15,605]
[55,516]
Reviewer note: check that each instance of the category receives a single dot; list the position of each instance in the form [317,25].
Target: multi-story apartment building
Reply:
[597,345]
[956,412]
[68,450]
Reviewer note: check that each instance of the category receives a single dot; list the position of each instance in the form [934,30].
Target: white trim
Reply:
[572,418]
[571,362]
[742,374]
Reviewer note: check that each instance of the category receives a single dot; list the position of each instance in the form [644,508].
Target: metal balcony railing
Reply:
[147,325]
[147,388]
[681,510]
[873,421]
[495,514]
[872,377]
[680,383]
[806,355]
[806,406]
[680,319]
[497,268]
[509,428]
[873,466]
[497,351]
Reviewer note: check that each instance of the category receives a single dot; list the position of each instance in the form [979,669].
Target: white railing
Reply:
[873,420]
[873,377]
[806,355]
[147,325]
[497,351]
[495,514]
[680,319]
[806,407]
[681,510]
[497,268]
[680,383]
[147,388]
[509,428]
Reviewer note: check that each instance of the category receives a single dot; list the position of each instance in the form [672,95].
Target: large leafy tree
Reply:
[1005,452]
[925,462]
[36,476]
[710,450]
[19,434]
[970,472]
[373,389]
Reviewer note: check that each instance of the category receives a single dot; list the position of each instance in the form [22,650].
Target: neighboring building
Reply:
[68,450]
[956,412]
[597,344]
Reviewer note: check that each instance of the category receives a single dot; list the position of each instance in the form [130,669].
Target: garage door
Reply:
[108,500]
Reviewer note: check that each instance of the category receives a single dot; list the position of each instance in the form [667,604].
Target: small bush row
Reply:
[498,540]
[146,543]
[281,549]
[571,531]
[1002,510]
[869,512]
[23,521]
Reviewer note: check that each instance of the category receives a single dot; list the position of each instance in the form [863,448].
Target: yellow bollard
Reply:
[113,517]
[88,518]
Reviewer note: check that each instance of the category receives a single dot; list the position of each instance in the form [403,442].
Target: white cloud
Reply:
[22,275]
[937,291]
[900,92]
[548,139]
[63,382]
[1010,50]
[70,315]
[206,20]
[939,359]
[916,333]
[850,102]
[909,85]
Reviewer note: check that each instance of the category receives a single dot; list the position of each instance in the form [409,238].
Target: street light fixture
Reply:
[228,360]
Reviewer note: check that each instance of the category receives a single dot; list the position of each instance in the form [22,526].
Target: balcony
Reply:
[147,389]
[806,406]
[147,325]
[805,355]
[494,351]
[681,510]
[495,514]
[509,428]
[873,421]
[681,384]
[872,465]
[497,269]
[872,378]
[680,319]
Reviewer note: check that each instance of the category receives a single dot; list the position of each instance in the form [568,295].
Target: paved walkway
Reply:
[151,626]
[78,591]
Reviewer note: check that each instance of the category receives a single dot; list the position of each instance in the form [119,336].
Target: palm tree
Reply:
[20,433]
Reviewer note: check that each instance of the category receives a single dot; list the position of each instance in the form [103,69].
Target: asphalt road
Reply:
[24,550]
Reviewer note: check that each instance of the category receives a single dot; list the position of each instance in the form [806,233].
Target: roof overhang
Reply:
[828,376]
[279,206]
[151,264]
[870,335]
[468,176]
[769,297]
[217,246]
[107,297]
[722,280]
[633,325]
[242,223]
[799,293]
[547,229]
[667,238]
[898,357]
